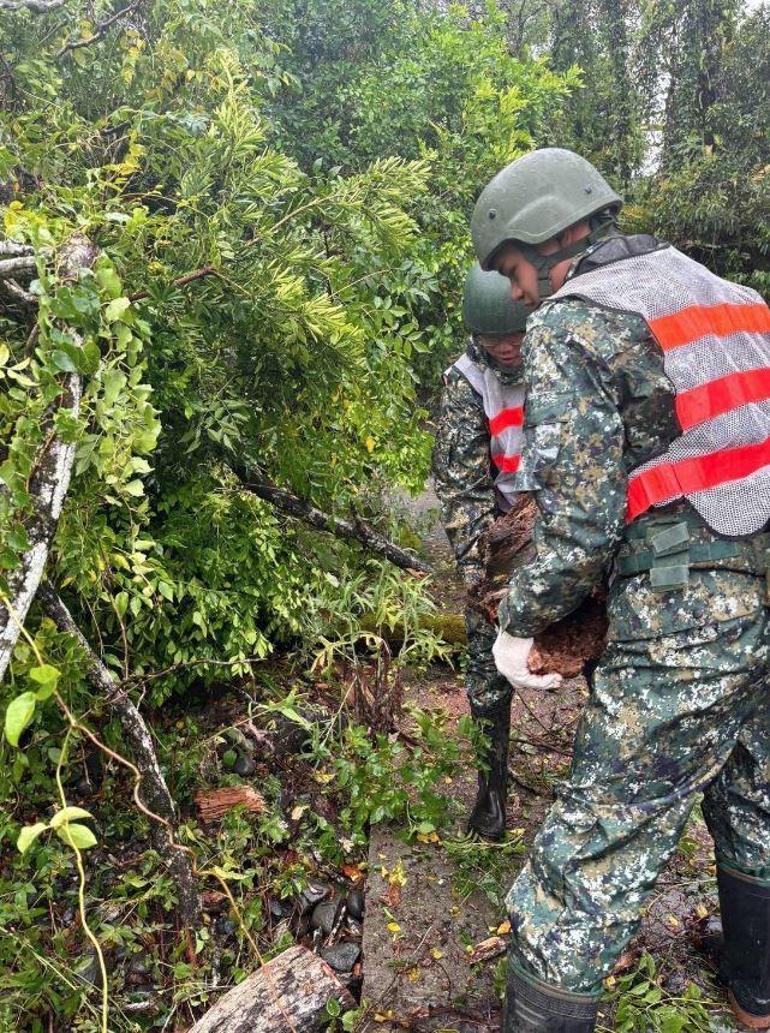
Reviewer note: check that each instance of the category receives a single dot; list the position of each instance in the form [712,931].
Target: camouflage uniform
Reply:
[464,480]
[679,700]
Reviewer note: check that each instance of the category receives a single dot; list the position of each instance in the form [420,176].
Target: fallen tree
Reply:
[287,995]
[48,483]
[355,530]
[47,491]
[47,487]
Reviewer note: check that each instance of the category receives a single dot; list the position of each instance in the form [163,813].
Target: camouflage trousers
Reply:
[485,687]
[679,707]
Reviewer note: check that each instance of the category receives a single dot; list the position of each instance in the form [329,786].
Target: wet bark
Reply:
[352,530]
[48,488]
[287,995]
[154,792]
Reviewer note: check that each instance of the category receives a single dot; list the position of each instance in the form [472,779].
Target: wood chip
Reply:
[490,948]
[214,803]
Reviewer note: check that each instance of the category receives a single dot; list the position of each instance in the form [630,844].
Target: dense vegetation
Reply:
[279,193]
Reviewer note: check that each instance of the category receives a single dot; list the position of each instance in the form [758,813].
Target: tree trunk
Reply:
[155,794]
[358,530]
[47,489]
[287,995]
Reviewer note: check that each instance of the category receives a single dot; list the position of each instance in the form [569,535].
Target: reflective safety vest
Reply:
[504,410]
[715,337]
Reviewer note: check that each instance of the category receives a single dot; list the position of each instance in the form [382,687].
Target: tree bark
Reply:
[287,995]
[358,530]
[48,489]
[155,793]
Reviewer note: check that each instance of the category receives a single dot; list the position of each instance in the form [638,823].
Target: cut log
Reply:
[565,647]
[287,995]
[213,804]
[450,627]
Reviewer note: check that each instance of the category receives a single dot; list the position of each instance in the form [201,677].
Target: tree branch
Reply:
[47,489]
[357,530]
[34,6]
[16,289]
[153,784]
[99,30]
[180,281]
[14,248]
[20,264]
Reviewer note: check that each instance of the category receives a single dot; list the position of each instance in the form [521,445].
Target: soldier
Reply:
[477,453]
[647,445]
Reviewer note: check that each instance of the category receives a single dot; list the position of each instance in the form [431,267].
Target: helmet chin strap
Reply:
[545,263]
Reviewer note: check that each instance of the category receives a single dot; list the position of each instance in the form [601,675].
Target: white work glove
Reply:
[511,656]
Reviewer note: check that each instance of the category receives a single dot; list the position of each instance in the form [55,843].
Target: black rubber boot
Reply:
[532,1006]
[744,963]
[488,815]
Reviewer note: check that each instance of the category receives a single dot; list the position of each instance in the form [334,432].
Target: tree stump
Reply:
[564,647]
[287,995]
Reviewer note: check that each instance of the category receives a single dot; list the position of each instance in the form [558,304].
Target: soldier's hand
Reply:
[511,655]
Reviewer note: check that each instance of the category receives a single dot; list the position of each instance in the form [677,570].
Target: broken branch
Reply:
[48,488]
[358,530]
[161,805]
[99,31]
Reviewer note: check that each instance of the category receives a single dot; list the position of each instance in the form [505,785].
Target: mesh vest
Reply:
[715,337]
[504,410]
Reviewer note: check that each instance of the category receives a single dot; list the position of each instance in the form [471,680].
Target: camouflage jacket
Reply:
[598,404]
[462,466]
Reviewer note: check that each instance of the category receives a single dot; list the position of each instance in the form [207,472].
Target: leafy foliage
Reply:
[279,192]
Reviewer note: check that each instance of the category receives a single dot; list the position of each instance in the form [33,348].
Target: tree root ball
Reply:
[565,647]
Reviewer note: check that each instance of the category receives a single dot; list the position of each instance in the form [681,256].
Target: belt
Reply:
[670,552]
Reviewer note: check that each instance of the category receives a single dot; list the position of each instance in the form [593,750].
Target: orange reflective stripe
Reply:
[670,481]
[506,464]
[513,417]
[696,321]
[722,395]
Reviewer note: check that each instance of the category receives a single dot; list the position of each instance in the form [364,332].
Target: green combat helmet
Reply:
[488,307]
[534,199]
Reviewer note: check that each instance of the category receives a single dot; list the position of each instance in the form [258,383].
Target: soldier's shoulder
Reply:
[604,330]
[457,386]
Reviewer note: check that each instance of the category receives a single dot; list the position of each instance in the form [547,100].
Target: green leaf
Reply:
[121,603]
[166,590]
[122,335]
[67,814]
[92,356]
[135,488]
[113,383]
[108,280]
[4,354]
[79,836]
[28,835]
[63,362]
[115,309]
[47,678]
[18,716]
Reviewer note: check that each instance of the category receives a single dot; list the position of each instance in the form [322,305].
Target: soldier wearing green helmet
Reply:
[647,447]
[477,449]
